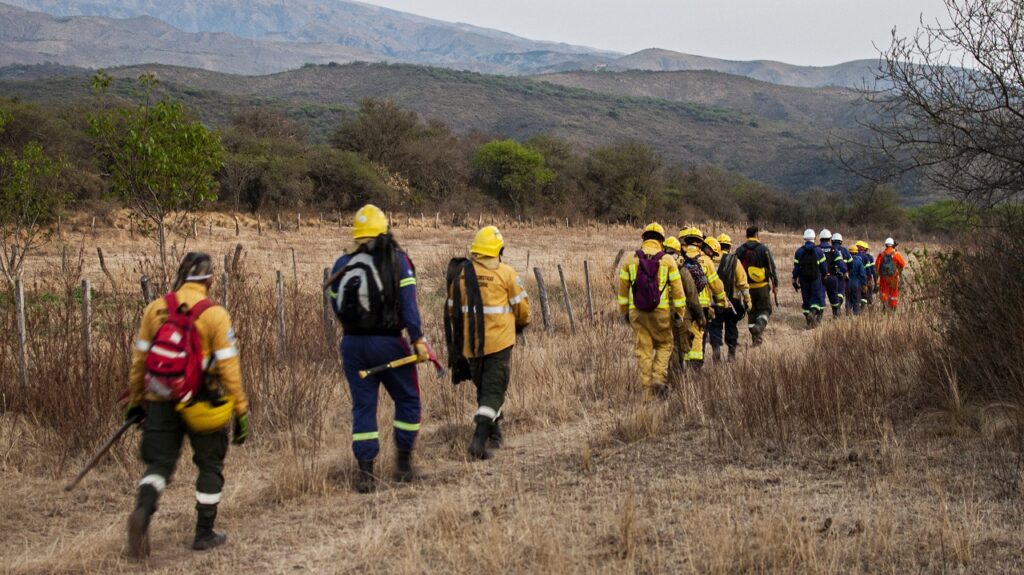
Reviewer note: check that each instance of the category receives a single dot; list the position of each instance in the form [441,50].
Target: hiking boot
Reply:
[732,354]
[496,440]
[695,364]
[403,467]
[207,538]
[478,446]
[716,354]
[138,532]
[366,482]
[810,320]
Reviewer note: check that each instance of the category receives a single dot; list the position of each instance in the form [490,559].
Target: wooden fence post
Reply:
[195,228]
[238,227]
[590,294]
[87,335]
[259,225]
[568,301]
[298,222]
[236,258]
[329,332]
[542,291]
[103,266]
[295,271]
[225,287]
[437,220]
[281,344]
[209,230]
[147,289]
[279,227]
[19,310]
[94,226]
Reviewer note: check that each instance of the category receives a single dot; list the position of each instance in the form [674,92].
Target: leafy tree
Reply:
[624,179]
[30,198]
[512,172]
[158,159]
[380,131]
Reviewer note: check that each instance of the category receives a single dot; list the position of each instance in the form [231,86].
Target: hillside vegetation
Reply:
[787,153]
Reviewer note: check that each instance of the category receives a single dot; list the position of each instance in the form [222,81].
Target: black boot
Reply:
[810,320]
[138,522]
[366,482]
[403,467]
[496,440]
[478,446]
[206,537]
[732,354]
[716,354]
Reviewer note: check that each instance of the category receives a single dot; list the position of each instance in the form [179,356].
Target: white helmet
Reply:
[837,237]
[825,235]
[889,242]
[809,235]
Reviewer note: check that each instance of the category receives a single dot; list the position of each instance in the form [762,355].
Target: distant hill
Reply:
[855,74]
[364,28]
[33,38]
[782,148]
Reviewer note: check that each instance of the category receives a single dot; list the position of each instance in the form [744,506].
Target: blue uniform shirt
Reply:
[833,254]
[408,310]
[858,275]
[818,255]
[869,263]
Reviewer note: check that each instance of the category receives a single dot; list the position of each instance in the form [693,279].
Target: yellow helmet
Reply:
[725,240]
[692,252]
[863,245]
[854,249]
[714,245]
[488,242]
[691,233]
[655,227]
[370,222]
[671,243]
[206,416]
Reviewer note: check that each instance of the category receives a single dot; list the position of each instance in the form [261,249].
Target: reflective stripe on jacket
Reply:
[505,302]
[669,277]
[220,351]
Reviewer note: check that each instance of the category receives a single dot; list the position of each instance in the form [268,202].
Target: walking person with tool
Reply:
[809,270]
[373,293]
[185,381]
[763,280]
[710,289]
[889,265]
[487,307]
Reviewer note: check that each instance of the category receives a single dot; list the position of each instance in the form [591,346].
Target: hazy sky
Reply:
[809,32]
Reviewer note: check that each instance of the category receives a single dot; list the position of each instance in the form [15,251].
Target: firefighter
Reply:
[651,298]
[373,292]
[844,279]
[809,269]
[710,290]
[836,272]
[734,277]
[487,307]
[871,284]
[858,279]
[889,266]
[763,280]
[203,418]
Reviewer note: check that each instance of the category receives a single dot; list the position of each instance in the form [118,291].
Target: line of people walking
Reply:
[847,278]
[681,293]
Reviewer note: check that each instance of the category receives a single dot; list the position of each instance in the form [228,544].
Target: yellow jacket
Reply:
[740,283]
[715,286]
[672,298]
[218,338]
[506,304]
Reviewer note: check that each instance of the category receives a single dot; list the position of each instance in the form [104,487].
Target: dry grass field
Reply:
[822,451]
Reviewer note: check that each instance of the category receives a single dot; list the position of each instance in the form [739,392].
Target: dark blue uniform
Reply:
[835,286]
[843,280]
[869,273]
[858,277]
[813,292]
[359,352]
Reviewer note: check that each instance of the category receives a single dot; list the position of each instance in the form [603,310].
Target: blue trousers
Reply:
[813,294]
[853,295]
[360,352]
[834,288]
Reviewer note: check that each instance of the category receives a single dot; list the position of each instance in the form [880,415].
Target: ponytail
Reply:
[195,267]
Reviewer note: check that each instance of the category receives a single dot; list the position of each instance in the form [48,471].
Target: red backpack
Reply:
[174,363]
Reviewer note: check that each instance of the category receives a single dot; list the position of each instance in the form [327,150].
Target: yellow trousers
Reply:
[693,340]
[654,344]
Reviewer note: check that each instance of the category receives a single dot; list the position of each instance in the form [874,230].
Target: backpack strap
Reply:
[171,299]
[198,309]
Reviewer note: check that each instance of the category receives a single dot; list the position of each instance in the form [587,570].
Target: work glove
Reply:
[135,413]
[241,432]
[747,304]
[422,351]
